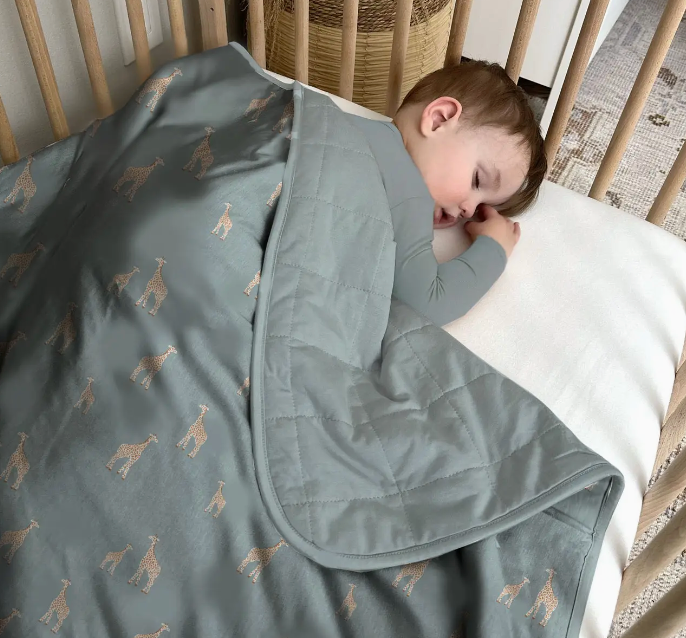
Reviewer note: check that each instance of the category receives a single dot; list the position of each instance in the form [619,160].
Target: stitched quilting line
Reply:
[450,537]
[290,329]
[328,354]
[347,210]
[457,414]
[343,148]
[440,478]
[338,283]
[384,416]
[390,469]
[366,299]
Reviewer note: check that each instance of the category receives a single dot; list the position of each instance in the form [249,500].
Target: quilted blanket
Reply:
[215,420]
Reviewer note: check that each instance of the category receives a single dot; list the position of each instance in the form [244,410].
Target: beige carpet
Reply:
[661,129]
[658,138]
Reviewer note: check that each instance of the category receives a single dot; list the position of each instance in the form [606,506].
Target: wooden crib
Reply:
[668,615]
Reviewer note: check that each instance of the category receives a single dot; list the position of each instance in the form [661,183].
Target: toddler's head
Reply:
[475,140]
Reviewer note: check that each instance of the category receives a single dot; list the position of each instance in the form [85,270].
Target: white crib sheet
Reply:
[589,316]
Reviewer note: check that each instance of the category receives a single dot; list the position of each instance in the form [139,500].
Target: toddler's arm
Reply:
[441,292]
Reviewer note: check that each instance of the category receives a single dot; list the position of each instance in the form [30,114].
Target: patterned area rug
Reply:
[661,129]
[658,138]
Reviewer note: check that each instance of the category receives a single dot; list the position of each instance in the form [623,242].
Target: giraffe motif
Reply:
[148,563]
[86,397]
[115,558]
[348,605]
[263,556]
[156,287]
[65,329]
[202,153]
[545,597]
[253,283]
[95,127]
[158,86]
[155,634]
[512,591]
[24,182]
[59,606]
[138,175]
[258,105]
[6,621]
[121,281]
[287,115]
[197,431]
[245,386]
[415,571]
[224,221]
[18,460]
[15,540]
[274,196]
[6,346]
[133,452]
[152,365]
[218,500]
[20,261]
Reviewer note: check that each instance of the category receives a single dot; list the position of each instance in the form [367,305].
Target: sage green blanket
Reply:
[195,297]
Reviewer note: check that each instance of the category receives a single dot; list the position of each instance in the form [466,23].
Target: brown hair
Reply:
[490,98]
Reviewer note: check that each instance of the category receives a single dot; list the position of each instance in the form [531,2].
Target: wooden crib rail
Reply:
[91,53]
[28,14]
[577,68]
[178,27]
[458,31]
[134,9]
[8,147]
[522,36]
[671,18]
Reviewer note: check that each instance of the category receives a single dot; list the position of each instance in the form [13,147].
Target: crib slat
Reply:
[662,550]
[670,189]
[40,57]
[522,36]
[458,32]
[8,147]
[257,36]
[302,40]
[213,23]
[671,434]
[401,36]
[178,27]
[663,492]
[671,18]
[134,8]
[575,75]
[665,618]
[678,391]
[350,11]
[91,53]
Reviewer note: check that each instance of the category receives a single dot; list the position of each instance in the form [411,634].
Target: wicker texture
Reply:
[428,41]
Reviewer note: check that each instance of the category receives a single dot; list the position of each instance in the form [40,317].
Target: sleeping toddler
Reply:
[464,143]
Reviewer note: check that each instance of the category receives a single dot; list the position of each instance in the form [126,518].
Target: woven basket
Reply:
[428,41]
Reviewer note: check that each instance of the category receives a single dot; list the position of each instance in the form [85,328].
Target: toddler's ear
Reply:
[443,111]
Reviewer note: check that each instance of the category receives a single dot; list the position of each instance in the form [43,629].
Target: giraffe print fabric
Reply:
[215,422]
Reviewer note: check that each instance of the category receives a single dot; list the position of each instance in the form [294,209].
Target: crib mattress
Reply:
[589,316]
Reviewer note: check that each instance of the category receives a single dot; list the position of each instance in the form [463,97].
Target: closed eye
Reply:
[476,180]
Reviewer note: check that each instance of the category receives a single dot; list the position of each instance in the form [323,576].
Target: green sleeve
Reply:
[441,292]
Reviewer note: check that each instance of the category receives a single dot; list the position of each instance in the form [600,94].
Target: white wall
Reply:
[18,85]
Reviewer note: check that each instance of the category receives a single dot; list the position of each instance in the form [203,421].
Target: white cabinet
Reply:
[492,24]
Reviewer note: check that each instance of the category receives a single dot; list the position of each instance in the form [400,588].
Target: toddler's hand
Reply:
[494,225]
